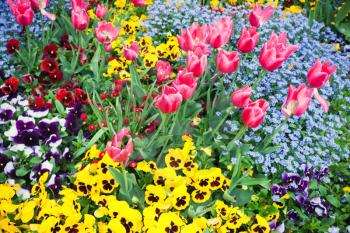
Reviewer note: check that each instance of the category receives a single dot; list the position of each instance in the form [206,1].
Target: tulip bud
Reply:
[258,15]
[227,62]
[319,73]
[276,51]
[241,97]
[196,64]
[131,52]
[169,101]
[248,40]
[220,32]
[185,83]
[101,11]
[254,113]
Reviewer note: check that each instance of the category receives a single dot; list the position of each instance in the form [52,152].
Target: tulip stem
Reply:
[222,121]
[238,136]
[160,128]
[167,139]
[260,77]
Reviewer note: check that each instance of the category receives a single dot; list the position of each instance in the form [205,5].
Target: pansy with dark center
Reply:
[278,191]
[39,169]
[54,140]
[6,112]
[3,161]
[321,207]
[47,127]
[29,137]
[52,155]
[72,124]
[25,123]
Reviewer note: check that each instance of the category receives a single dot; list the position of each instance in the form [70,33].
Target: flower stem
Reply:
[260,77]
[160,128]
[222,121]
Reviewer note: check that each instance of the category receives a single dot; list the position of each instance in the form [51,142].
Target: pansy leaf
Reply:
[333,200]
[22,171]
[242,196]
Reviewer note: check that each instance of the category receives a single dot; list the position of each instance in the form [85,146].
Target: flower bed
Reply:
[172,116]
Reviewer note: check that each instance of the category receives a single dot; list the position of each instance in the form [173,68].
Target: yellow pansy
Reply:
[154,194]
[262,226]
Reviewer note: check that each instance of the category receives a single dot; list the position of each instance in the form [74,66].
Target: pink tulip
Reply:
[164,71]
[138,2]
[298,100]
[101,11]
[131,52]
[258,15]
[185,83]
[248,40]
[227,62]
[319,73]
[194,37]
[241,97]
[196,64]
[114,147]
[106,33]
[254,113]
[22,10]
[169,101]
[276,51]
[220,32]
[79,3]
[80,18]
[41,5]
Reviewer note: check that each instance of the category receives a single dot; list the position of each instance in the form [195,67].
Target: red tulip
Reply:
[248,40]
[164,71]
[22,10]
[220,32]
[276,51]
[196,64]
[319,73]
[298,100]
[80,18]
[185,83]
[131,52]
[254,113]
[169,101]
[193,38]
[106,33]
[12,45]
[41,5]
[101,11]
[258,15]
[227,62]
[115,149]
[241,97]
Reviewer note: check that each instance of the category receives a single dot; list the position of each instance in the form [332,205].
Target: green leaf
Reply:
[342,13]
[94,62]
[264,182]
[22,171]
[242,196]
[60,108]
[93,140]
[333,200]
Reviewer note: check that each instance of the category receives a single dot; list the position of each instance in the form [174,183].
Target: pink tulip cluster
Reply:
[115,148]
[253,112]
[23,10]
[106,33]
[298,99]
[79,15]
[101,11]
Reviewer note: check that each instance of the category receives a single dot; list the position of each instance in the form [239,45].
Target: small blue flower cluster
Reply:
[309,139]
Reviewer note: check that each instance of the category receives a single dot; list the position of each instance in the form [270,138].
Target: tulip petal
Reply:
[324,103]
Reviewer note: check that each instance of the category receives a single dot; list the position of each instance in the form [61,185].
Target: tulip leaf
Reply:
[22,171]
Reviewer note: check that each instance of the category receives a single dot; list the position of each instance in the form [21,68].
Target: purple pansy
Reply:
[29,137]
[24,123]
[6,112]
[47,127]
